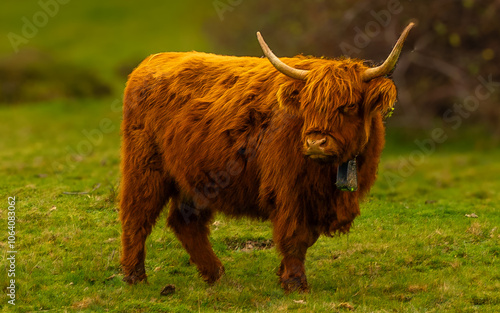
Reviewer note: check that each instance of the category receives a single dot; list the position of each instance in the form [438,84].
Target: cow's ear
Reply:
[380,96]
[289,97]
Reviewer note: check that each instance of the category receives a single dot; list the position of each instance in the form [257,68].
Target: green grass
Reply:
[412,249]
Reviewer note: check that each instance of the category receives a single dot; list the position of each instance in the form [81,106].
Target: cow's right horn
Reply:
[391,60]
[278,64]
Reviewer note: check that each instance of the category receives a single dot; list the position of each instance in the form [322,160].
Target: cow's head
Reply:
[337,99]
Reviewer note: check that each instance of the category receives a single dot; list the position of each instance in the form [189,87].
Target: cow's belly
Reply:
[216,176]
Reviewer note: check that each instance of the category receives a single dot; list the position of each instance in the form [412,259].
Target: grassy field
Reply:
[412,250]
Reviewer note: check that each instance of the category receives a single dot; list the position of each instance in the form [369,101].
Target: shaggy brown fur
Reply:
[214,133]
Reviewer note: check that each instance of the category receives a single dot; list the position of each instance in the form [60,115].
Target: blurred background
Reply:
[68,50]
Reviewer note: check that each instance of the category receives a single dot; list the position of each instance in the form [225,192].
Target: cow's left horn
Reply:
[278,64]
[391,60]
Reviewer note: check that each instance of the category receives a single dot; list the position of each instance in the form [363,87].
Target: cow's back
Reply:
[206,114]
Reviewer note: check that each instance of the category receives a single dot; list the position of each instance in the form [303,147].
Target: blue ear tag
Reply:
[347,176]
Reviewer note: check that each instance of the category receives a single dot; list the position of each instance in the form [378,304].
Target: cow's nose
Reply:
[316,145]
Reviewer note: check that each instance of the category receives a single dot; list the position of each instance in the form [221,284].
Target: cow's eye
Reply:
[349,109]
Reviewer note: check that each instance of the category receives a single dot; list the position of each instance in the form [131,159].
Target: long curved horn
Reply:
[278,64]
[391,60]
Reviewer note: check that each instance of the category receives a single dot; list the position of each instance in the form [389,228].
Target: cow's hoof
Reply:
[134,279]
[214,276]
[295,284]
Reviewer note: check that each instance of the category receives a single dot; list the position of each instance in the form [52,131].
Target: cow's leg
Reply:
[145,189]
[191,226]
[292,241]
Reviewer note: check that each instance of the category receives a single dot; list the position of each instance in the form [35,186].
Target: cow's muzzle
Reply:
[319,146]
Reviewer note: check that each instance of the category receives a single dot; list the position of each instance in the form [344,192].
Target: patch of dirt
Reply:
[248,245]
[86,303]
[417,288]
[168,290]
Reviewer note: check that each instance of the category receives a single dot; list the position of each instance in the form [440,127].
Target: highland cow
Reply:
[296,141]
